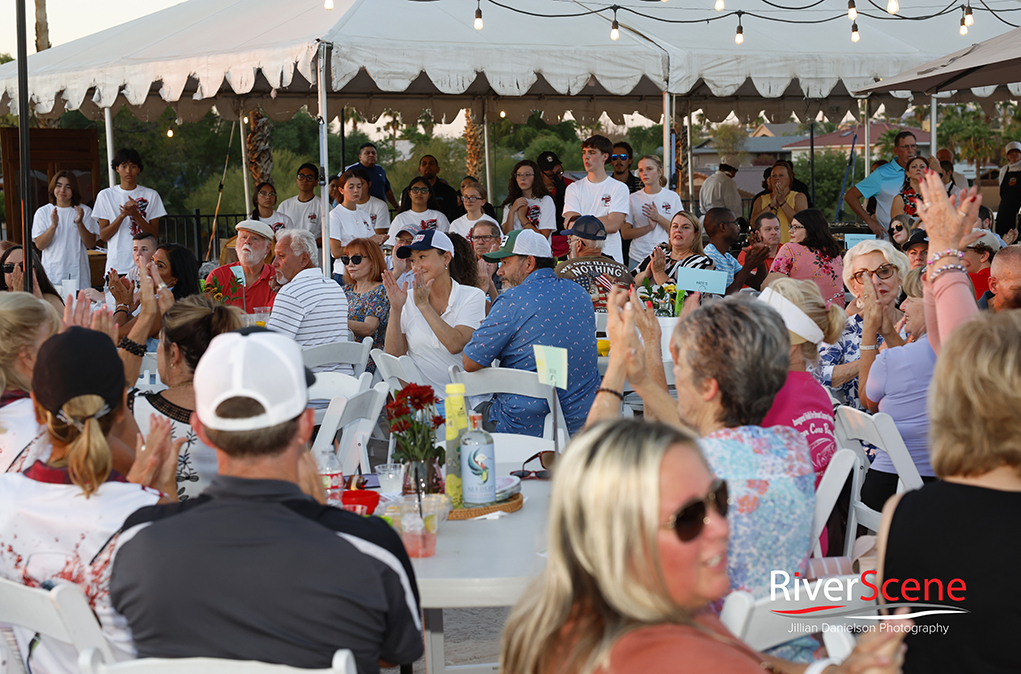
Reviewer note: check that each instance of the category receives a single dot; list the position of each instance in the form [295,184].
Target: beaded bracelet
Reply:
[603,389]
[949,252]
[134,348]
[933,275]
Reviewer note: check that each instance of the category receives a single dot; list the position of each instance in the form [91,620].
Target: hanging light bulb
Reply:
[478,16]
[969,18]
[964,26]
[328,4]
[892,7]
[245,119]
[615,30]
[854,32]
[170,132]
[739,35]
[719,5]
[852,11]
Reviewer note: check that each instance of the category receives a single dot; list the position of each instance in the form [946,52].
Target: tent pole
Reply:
[811,158]
[324,160]
[933,144]
[25,198]
[691,166]
[667,128]
[108,120]
[867,150]
[244,158]
[485,137]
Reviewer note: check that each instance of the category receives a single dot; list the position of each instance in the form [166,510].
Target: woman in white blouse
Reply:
[63,229]
[444,311]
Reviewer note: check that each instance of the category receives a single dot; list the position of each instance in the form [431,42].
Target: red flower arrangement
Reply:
[413,419]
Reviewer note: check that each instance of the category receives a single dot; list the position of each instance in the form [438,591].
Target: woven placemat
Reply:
[510,505]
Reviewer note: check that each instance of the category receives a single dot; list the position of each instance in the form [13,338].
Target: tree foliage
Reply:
[830,168]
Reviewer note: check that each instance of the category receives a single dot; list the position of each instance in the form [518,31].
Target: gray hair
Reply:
[301,241]
[744,346]
[893,256]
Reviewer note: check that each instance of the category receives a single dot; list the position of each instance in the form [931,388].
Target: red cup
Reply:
[364,497]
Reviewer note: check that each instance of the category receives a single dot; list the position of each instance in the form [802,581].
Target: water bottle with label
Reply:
[332,475]
[478,465]
[456,426]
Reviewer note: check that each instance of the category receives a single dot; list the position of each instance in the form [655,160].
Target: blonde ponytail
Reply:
[806,296]
[83,424]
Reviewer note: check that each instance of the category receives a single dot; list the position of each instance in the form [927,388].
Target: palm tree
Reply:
[473,145]
[260,152]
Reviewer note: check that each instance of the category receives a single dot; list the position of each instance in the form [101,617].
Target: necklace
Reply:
[183,383]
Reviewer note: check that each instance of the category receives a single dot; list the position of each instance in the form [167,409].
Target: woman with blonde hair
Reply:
[59,516]
[648,223]
[802,402]
[781,200]
[637,548]
[684,249]
[25,323]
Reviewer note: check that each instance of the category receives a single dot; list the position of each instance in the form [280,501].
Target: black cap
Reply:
[918,236]
[77,362]
[588,227]
[547,160]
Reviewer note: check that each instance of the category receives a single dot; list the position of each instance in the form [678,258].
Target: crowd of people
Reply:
[175,492]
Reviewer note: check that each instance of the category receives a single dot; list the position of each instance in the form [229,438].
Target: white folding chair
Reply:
[852,427]
[354,417]
[149,362]
[94,662]
[827,493]
[601,318]
[396,371]
[330,385]
[62,614]
[516,382]
[355,354]
[753,622]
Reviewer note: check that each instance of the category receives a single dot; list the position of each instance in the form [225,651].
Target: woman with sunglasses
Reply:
[900,230]
[637,549]
[13,278]
[265,202]
[419,210]
[348,222]
[528,205]
[907,200]
[840,363]
[731,358]
[812,254]
[368,308]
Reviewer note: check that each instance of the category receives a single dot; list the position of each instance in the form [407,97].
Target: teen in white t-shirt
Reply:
[63,229]
[528,204]
[473,197]
[378,212]
[420,215]
[304,210]
[599,195]
[648,223]
[125,210]
[348,222]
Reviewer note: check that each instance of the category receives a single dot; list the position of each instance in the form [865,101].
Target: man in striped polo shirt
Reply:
[310,308]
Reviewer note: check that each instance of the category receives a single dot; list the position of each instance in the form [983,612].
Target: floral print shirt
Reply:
[800,262]
[910,197]
[373,303]
[846,350]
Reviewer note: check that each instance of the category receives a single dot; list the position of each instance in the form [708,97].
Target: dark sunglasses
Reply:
[546,460]
[898,228]
[9,268]
[354,259]
[884,271]
[689,521]
[615,157]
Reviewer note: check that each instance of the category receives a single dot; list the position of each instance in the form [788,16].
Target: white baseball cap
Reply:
[260,228]
[521,242]
[251,363]
[1013,145]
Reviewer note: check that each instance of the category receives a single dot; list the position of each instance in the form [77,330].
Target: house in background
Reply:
[756,151]
[841,140]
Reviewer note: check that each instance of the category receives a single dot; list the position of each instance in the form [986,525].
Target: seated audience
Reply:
[309,308]
[536,307]
[265,200]
[723,230]
[254,243]
[445,307]
[812,254]
[528,205]
[588,267]
[348,222]
[839,362]
[782,200]
[917,248]
[487,207]
[13,278]
[473,197]
[683,250]
[184,578]
[765,229]
[637,548]
[652,208]
[900,230]
[63,229]
[1004,281]
[897,383]
[485,238]
[368,309]
[60,513]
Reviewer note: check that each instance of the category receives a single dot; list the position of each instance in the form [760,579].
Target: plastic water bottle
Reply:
[456,424]
[332,475]
[478,465]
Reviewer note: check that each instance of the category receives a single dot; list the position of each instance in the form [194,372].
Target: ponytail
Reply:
[82,424]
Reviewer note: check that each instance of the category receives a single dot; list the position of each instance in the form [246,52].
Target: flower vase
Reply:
[424,473]
[666,329]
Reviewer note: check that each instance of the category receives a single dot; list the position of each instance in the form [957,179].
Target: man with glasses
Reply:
[723,230]
[367,157]
[720,189]
[485,237]
[884,183]
[304,209]
[622,159]
[598,195]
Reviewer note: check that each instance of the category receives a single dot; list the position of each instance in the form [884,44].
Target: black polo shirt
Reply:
[256,570]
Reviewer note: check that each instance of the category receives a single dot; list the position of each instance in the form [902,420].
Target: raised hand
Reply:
[397,295]
[156,457]
[658,260]
[949,221]
[54,218]
[120,293]
[755,254]
[422,288]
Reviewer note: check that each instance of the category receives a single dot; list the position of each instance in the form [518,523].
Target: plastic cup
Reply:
[391,477]
[261,316]
[603,345]
[420,523]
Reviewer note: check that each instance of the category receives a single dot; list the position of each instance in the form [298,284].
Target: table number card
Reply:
[852,240]
[705,281]
[551,365]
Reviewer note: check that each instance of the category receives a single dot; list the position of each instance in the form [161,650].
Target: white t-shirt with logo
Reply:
[668,204]
[277,221]
[463,225]
[541,214]
[427,219]
[378,211]
[108,207]
[65,257]
[585,197]
[304,215]
[18,430]
[347,225]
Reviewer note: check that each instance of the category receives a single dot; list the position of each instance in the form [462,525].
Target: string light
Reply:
[964,24]
[615,27]
[852,11]
[739,35]
[892,7]
[854,32]
[328,4]
[719,5]
[478,16]
[969,18]
[170,131]
[245,119]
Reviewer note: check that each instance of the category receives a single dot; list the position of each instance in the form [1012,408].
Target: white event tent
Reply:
[410,55]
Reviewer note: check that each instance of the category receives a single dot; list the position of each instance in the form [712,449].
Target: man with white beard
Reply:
[309,308]
[255,292]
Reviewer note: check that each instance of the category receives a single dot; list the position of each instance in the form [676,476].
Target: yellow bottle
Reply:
[457,424]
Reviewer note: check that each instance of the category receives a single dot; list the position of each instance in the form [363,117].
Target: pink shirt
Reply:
[802,263]
[804,405]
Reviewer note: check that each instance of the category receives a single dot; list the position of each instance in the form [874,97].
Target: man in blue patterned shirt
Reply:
[536,307]
[723,231]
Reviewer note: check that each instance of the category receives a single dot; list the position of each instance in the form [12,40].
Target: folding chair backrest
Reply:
[828,492]
[854,426]
[355,418]
[516,382]
[516,449]
[93,662]
[355,354]
[396,371]
[62,613]
[329,385]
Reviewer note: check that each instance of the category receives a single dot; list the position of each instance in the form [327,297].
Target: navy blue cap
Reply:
[588,227]
[426,239]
